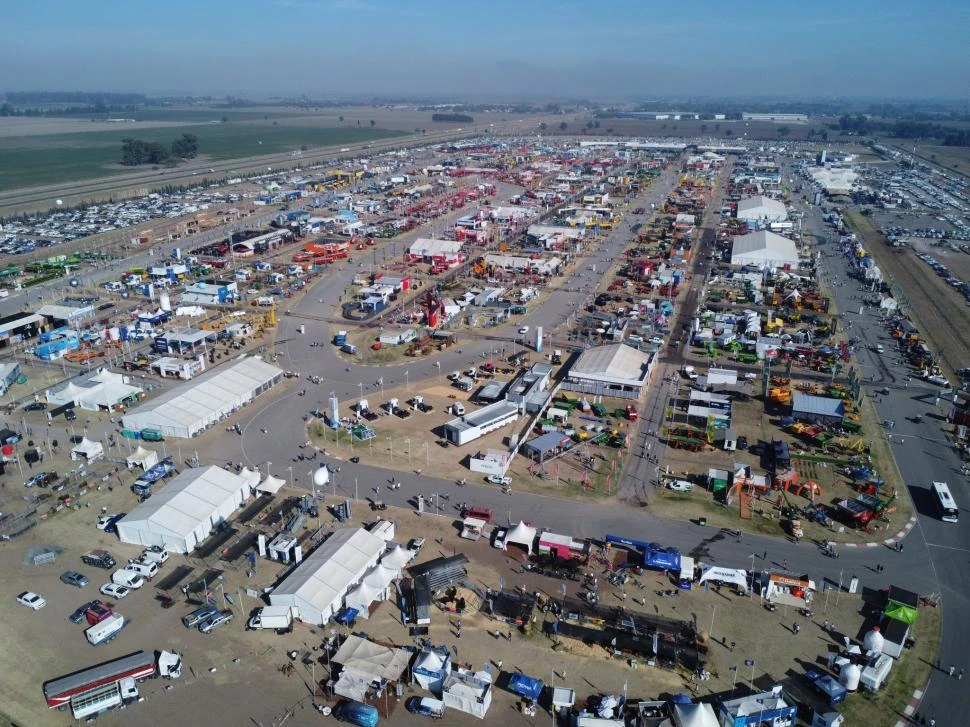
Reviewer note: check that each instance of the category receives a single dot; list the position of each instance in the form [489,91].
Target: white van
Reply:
[127,578]
[680,486]
[154,554]
[146,570]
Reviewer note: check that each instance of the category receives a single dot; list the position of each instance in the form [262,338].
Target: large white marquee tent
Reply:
[190,409]
[185,511]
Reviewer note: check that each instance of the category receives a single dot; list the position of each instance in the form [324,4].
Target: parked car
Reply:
[41,479]
[416,544]
[679,486]
[425,706]
[70,415]
[99,559]
[31,600]
[219,618]
[35,406]
[114,590]
[78,615]
[109,523]
[742,442]
[199,615]
[499,479]
[73,578]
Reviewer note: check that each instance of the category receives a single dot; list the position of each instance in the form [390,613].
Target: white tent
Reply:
[252,477]
[141,457]
[468,692]
[363,662]
[87,450]
[396,558]
[360,599]
[316,588]
[188,410]
[521,534]
[694,715]
[66,394]
[271,485]
[431,668]
[185,512]
[738,576]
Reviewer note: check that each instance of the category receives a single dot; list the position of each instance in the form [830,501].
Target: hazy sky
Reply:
[490,49]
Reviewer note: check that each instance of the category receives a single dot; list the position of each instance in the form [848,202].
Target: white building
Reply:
[473,425]
[761,211]
[765,250]
[317,587]
[446,252]
[188,410]
[185,511]
[468,692]
[616,370]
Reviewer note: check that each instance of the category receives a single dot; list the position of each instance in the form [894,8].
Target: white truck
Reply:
[272,617]
[127,578]
[109,685]
[104,631]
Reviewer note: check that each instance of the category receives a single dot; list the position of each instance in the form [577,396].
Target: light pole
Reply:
[438,366]
[290,468]
[407,382]
[361,385]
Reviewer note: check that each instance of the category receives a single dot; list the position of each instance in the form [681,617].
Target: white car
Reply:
[114,590]
[499,480]
[657,340]
[31,600]
[523,330]
[103,520]
[680,486]
[937,379]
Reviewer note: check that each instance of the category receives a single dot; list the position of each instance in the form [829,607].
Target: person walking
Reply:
[952,669]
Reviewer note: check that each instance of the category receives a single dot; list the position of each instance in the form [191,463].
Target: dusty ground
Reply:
[239,670]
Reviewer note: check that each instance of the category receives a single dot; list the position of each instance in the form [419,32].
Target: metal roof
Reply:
[616,363]
[817,405]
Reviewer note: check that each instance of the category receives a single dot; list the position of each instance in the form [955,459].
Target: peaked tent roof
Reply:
[270,485]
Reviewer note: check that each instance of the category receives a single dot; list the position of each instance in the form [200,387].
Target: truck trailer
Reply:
[105,630]
[99,688]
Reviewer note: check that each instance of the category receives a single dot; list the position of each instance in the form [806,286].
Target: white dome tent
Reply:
[522,535]
[431,668]
[396,558]
[873,641]
[251,476]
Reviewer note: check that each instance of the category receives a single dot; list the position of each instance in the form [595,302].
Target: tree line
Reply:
[139,151]
[453,118]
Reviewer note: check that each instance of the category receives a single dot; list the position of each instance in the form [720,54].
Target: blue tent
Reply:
[347,616]
[525,686]
[662,558]
[681,698]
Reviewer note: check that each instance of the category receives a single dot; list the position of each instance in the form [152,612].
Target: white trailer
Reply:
[104,631]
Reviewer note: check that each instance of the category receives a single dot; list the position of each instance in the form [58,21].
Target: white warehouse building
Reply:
[185,511]
[316,588]
[764,250]
[471,426]
[190,409]
[761,211]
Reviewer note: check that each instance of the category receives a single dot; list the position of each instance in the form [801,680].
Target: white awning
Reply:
[271,485]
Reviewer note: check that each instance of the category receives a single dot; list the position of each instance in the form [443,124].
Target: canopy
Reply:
[900,612]
[737,576]
[662,558]
[396,558]
[374,660]
[525,686]
[360,599]
[380,577]
[87,449]
[523,535]
[144,458]
[251,476]
[271,485]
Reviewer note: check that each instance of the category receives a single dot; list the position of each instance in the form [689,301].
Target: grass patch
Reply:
[47,159]
[909,673]
[199,116]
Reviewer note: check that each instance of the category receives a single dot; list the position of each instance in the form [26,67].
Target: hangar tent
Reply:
[360,598]
[87,450]
[522,535]
[141,457]
[271,485]
[363,662]
[724,575]
[185,512]
[188,410]
[431,668]
[316,587]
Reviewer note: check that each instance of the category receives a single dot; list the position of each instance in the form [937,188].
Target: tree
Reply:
[187,147]
[225,119]
[341,119]
[373,123]
[728,132]
[563,125]
[784,131]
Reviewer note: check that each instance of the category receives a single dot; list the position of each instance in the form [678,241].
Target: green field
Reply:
[48,159]
[195,116]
